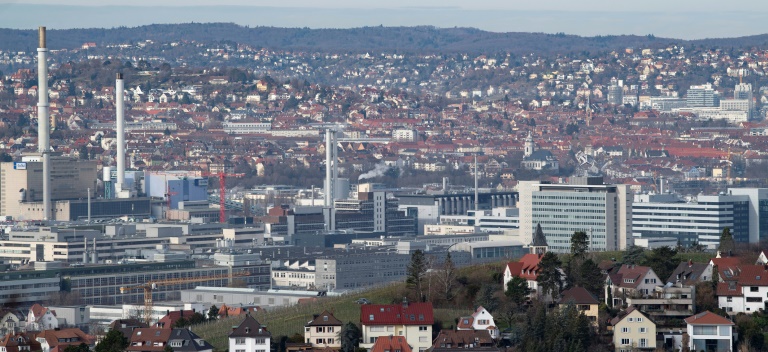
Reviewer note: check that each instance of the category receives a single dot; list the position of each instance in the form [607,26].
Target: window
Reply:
[377,328]
[729,299]
[631,320]
[625,342]
[240,341]
[754,299]
[625,330]
[422,328]
[643,342]
[319,341]
[643,330]
[373,339]
[753,289]
[330,341]
[639,320]
[725,331]
[239,350]
[370,317]
[705,330]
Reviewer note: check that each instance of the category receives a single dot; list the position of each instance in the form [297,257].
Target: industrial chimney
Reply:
[43,121]
[120,152]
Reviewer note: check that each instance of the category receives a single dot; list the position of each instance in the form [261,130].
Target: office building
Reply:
[758,211]
[616,92]
[603,211]
[744,91]
[175,187]
[696,222]
[702,96]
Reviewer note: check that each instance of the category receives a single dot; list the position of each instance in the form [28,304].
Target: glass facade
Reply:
[560,214]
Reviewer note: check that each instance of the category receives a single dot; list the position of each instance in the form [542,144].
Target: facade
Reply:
[430,209]
[632,330]
[480,320]
[502,220]
[758,211]
[323,331]
[356,270]
[628,280]
[413,321]
[27,286]
[745,290]
[21,184]
[41,318]
[585,302]
[708,331]
[701,221]
[666,303]
[175,188]
[184,340]
[250,336]
[702,96]
[603,211]
[266,299]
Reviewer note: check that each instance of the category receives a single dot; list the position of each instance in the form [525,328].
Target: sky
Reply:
[684,19]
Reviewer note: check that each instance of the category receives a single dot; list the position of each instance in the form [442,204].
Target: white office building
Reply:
[603,211]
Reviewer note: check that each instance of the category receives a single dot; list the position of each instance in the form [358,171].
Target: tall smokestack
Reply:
[477,200]
[328,169]
[120,112]
[94,255]
[43,121]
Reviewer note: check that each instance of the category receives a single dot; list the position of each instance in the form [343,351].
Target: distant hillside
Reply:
[401,39]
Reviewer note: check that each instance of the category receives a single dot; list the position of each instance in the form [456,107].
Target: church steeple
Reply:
[539,244]
[529,145]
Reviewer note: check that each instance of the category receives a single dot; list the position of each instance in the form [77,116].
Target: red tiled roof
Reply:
[707,318]
[729,288]
[397,314]
[391,344]
[465,323]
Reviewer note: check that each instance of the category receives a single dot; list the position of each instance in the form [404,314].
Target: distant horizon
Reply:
[673,25]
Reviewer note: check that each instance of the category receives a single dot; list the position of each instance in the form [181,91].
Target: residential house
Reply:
[745,291]
[249,336]
[690,273]
[584,301]
[480,320]
[11,321]
[528,266]
[126,326]
[59,339]
[630,280]
[184,340]
[41,318]
[391,344]
[708,331]
[172,317]
[632,330]
[411,320]
[19,342]
[323,331]
[463,340]
[149,339]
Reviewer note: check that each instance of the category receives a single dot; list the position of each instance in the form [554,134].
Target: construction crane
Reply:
[222,191]
[153,285]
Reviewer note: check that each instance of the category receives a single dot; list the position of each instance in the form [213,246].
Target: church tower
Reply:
[529,146]
[539,244]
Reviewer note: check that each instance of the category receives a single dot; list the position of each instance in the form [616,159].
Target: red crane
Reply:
[222,191]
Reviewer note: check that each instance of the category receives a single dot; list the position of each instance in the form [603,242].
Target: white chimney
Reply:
[120,114]
[43,121]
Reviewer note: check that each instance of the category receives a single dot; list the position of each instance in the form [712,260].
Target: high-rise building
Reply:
[696,222]
[603,211]
[616,92]
[744,91]
[702,96]
[758,211]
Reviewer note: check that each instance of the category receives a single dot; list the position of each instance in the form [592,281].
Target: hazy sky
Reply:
[684,19]
[552,5]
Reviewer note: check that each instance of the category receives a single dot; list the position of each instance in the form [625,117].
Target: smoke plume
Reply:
[377,171]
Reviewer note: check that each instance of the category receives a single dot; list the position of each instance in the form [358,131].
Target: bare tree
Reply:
[446,278]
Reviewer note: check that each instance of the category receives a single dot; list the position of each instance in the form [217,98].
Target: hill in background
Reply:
[422,39]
